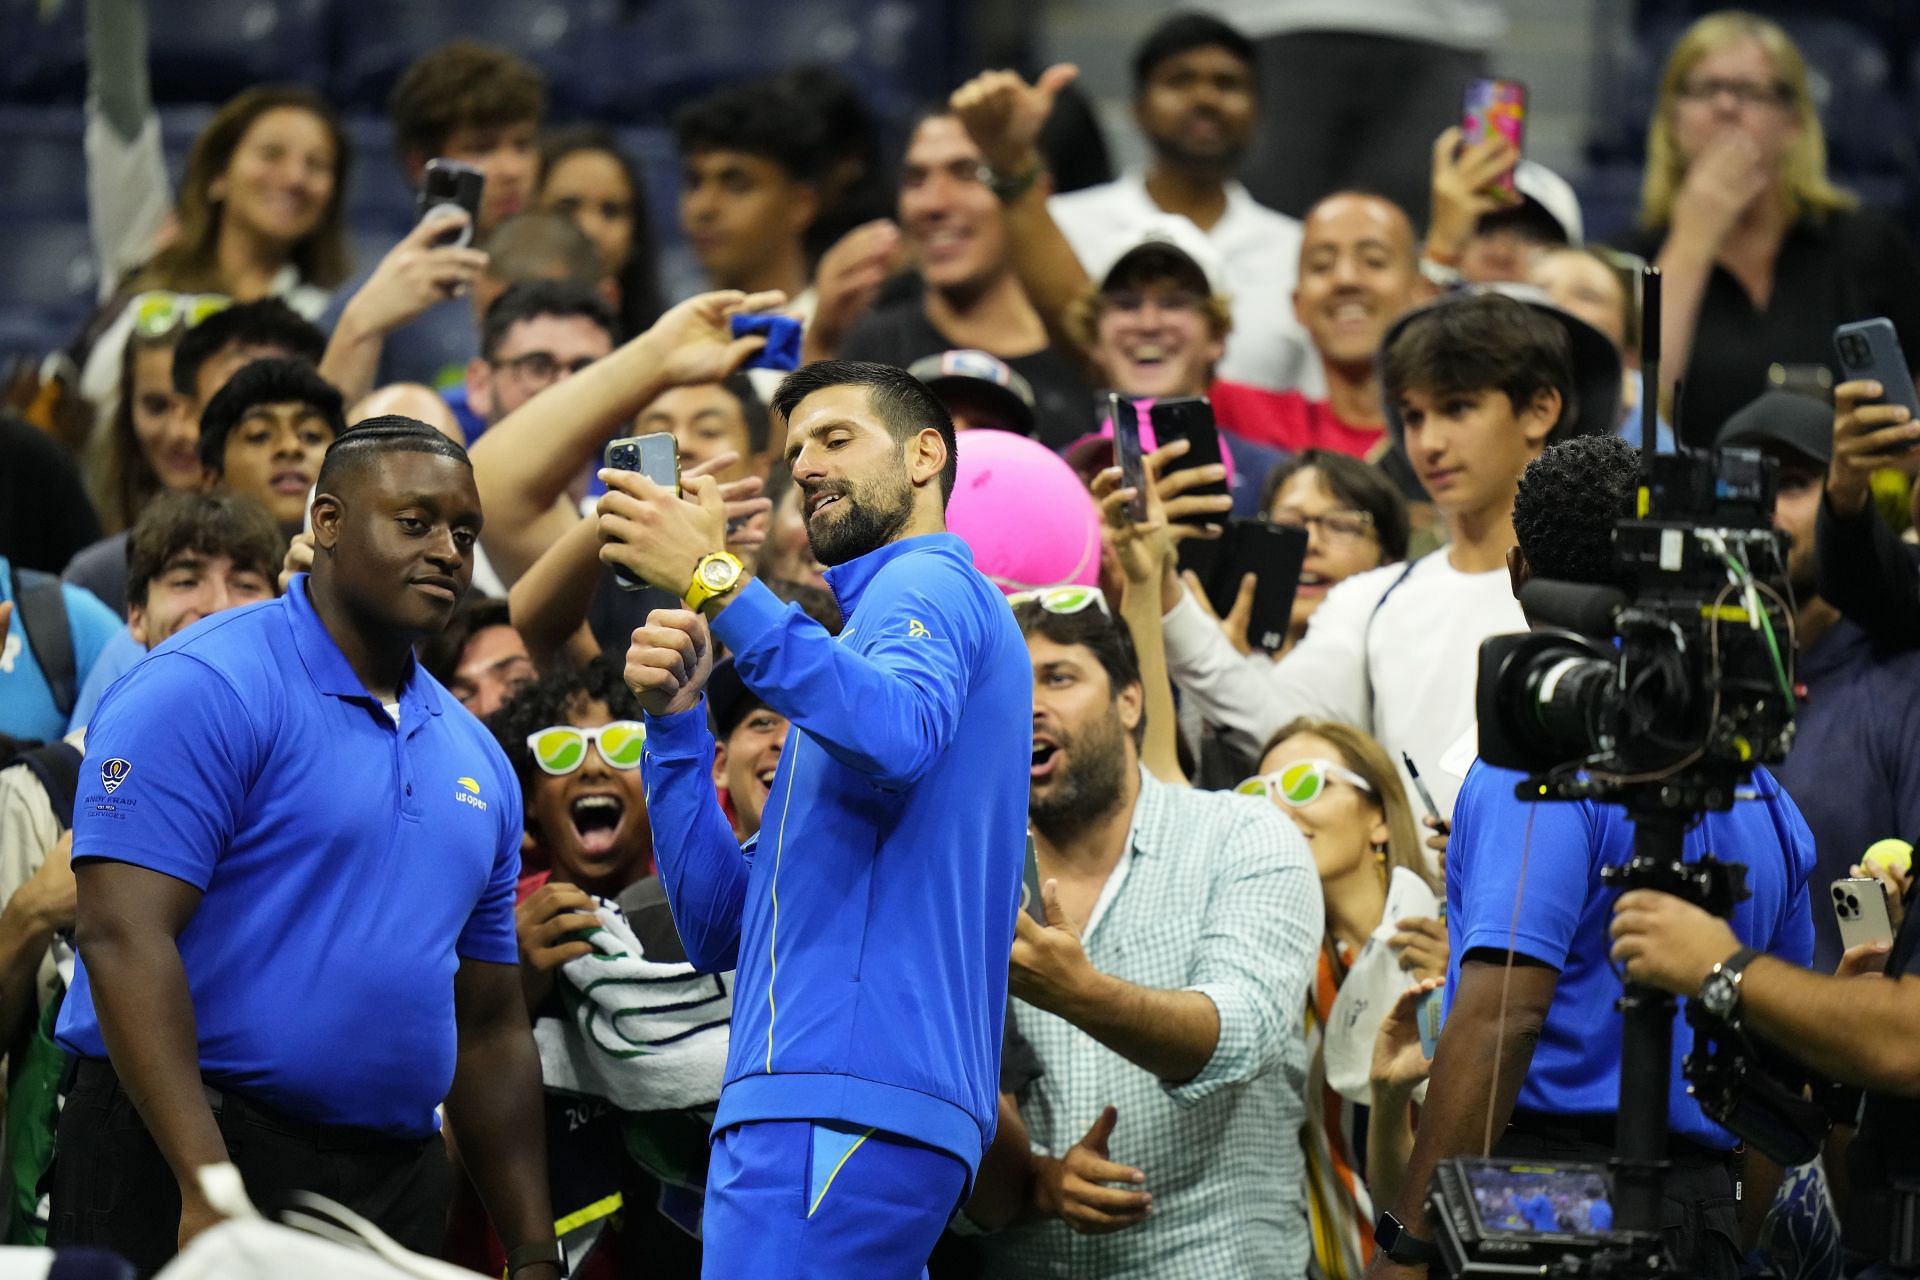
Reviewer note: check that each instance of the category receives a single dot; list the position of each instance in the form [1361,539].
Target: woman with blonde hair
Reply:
[1342,791]
[1762,254]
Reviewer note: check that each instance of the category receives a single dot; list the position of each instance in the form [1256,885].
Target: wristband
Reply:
[535,1252]
[1010,187]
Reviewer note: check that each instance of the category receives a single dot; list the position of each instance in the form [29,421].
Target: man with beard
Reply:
[871,973]
[1196,101]
[1162,996]
[1855,766]
[267,973]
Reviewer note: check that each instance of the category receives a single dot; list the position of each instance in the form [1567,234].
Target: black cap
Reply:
[729,701]
[1782,420]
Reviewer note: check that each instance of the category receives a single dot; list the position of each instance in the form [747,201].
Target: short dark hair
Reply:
[465,84]
[757,119]
[1480,342]
[1359,485]
[541,245]
[1184,32]
[550,700]
[440,652]
[271,381]
[208,524]
[1570,499]
[268,322]
[563,299]
[902,401]
[1099,634]
[389,433]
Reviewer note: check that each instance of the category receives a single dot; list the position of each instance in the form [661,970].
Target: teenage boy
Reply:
[1475,387]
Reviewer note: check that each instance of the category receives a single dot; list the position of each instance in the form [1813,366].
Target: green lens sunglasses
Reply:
[1302,782]
[561,748]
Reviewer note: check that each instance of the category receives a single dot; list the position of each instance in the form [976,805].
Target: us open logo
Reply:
[114,772]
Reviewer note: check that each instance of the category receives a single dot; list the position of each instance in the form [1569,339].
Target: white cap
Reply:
[1554,195]
[1173,231]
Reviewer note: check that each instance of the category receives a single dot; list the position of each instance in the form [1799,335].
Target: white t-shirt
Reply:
[1260,254]
[1393,650]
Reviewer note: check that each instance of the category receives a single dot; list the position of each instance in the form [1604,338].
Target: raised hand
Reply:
[1866,437]
[1719,187]
[414,276]
[1465,186]
[1004,114]
[851,274]
[694,342]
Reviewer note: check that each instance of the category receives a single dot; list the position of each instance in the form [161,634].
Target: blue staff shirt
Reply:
[27,709]
[346,866]
[1556,911]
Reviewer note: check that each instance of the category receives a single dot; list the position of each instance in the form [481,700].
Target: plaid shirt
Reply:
[1215,893]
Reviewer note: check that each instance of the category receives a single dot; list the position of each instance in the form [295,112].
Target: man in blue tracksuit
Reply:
[869,921]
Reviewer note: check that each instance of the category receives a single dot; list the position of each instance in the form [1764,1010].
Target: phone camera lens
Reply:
[1853,904]
[1853,349]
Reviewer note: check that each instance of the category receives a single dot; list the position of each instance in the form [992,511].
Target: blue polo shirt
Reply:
[27,709]
[1558,913]
[347,866]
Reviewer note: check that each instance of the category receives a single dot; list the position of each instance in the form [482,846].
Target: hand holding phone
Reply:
[1128,453]
[1190,418]
[1860,906]
[1869,351]
[449,185]
[1495,109]
[655,456]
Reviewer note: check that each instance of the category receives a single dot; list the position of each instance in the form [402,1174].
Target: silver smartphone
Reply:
[656,456]
[1860,905]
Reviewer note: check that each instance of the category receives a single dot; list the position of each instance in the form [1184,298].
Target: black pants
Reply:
[1339,109]
[1699,1209]
[113,1189]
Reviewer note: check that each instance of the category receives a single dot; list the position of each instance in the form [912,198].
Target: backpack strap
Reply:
[41,611]
[57,766]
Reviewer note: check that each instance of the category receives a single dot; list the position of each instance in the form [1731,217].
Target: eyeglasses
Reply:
[1744,92]
[159,312]
[1302,782]
[1332,526]
[541,367]
[1062,600]
[560,749]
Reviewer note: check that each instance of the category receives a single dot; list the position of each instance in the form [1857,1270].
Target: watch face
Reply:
[1718,994]
[716,573]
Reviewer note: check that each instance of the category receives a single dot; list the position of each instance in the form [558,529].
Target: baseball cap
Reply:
[976,377]
[1169,245]
[1546,194]
[1782,420]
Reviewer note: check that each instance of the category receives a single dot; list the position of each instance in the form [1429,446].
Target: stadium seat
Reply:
[42,169]
[209,50]
[374,40]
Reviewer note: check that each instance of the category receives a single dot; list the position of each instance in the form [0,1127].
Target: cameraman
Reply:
[1531,991]
[1860,1027]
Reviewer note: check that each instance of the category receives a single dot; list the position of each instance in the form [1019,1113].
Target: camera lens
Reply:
[1853,904]
[1853,349]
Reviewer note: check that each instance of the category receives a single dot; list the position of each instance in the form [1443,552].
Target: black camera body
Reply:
[1671,684]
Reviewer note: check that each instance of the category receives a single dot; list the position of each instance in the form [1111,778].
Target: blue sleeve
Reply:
[1793,934]
[179,750]
[1522,870]
[887,710]
[114,661]
[489,934]
[702,867]
[93,626]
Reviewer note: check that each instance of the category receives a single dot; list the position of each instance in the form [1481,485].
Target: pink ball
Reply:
[1029,520]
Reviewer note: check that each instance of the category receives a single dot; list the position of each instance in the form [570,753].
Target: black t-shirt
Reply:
[901,333]
[1851,266]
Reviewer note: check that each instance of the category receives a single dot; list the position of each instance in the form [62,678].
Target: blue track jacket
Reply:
[869,921]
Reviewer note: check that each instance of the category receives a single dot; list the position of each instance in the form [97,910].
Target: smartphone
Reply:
[1860,905]
[1428,1015]
[1190,418]
[449,184]
[1871,349]
[655,456]
[1495,108]
[1273,553]
[1127,452]
[1030,901]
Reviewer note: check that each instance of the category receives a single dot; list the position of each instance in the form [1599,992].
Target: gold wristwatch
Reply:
[715,575]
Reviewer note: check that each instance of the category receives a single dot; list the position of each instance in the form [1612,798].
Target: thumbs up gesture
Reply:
[1004,114]
[1076,1189]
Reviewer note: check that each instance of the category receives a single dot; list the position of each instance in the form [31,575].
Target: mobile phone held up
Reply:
[1871,349]
[1128,453]
[1860,905]
[655,456]
[450,185]
[1190,418]
[1273,554]
[1495,108]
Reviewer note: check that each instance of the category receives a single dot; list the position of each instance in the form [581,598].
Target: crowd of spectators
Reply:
[1211,1065]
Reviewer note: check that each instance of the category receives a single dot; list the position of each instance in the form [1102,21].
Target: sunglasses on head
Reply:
[560,749]
[159,312]
[1063,600]
[1302,782]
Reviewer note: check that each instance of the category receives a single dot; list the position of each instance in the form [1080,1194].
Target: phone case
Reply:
[1428,1018]
[1871,349]
[1495,108]
[450,184]
[1273,554]
[1190,418]
[656,456]
[1860,905]
[1127,452]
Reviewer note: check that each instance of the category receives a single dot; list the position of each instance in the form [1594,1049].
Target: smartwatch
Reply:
[1402,1245]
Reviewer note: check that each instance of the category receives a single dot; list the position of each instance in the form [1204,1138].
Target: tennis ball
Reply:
[1893,854]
